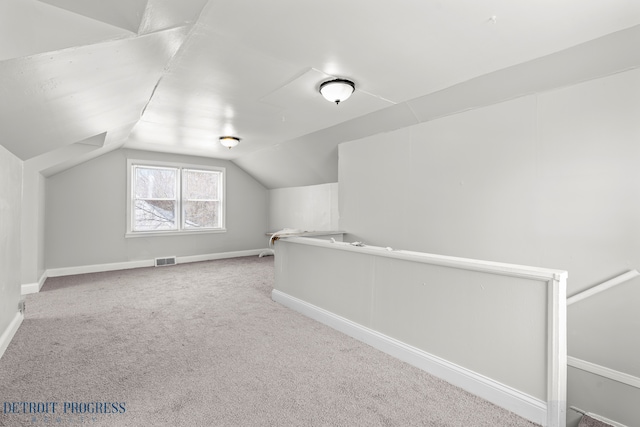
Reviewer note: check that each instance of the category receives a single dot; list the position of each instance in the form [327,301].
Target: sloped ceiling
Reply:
[30,27]
[174,75]
[126,14]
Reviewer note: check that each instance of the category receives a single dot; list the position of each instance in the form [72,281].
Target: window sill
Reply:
[137,234]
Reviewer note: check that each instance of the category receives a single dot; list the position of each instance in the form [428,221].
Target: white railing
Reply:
[603,371]
[496,329]
[603,286]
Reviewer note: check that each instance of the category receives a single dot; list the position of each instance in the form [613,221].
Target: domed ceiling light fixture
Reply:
[337,90]
[229,141]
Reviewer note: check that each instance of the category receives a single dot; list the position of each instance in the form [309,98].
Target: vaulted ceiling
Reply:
[174,75]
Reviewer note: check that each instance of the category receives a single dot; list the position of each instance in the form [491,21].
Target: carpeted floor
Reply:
[203,344]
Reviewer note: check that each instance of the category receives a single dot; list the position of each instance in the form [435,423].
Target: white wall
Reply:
[549,180]
[32,224]
[10,200]
[546,180]
[33,207]
[86,215]
[309,208]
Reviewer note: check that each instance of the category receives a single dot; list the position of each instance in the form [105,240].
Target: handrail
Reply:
[504,269]
[602,371]
[603,286]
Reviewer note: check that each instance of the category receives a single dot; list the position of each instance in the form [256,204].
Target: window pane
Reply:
[201,214]
[155,183]
[200,185]
[150,215]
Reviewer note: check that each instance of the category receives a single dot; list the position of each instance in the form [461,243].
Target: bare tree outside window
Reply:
[176,198]
[155,198]
[201,203]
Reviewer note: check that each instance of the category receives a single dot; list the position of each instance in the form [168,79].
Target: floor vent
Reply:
[161,262]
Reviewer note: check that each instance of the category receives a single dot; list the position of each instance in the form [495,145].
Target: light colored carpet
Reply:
[203,344]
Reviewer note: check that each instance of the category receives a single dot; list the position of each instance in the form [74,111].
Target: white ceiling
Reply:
[174,75]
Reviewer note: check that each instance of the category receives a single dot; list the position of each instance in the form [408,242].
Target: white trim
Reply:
[598,417]
[10,332]
[603,286]
[221,255]
[179,199]
[502,395]
[135,234]
[605,420]
[30,288]
[283,233]
[34,288]
[97,268]
[602,371]
[557,353]
[500,268]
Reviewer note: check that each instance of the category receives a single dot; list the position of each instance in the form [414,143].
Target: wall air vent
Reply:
[161,262]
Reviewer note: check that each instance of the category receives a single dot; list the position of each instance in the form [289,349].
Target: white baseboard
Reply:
[34,288]
[221,255]
[30,288]
[526,406]
[98,268]
[7,334]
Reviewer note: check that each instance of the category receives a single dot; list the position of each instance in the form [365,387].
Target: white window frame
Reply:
[180,211]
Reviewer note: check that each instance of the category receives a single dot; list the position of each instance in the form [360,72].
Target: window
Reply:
[173,198]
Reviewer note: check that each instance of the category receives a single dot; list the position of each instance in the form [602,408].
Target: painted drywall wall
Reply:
[454,186]
[34,200]
[546,180]
[10,200]
[32,224]
[310,208]
[549,180]
[86,215]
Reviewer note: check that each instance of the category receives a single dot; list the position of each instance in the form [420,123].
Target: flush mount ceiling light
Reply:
[337,90]
[229,141]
